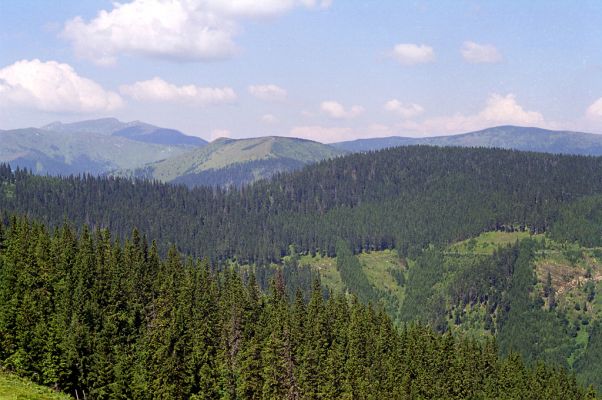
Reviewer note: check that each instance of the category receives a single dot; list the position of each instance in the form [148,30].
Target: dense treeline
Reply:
[580,222]
[404,197]
[240,174]
[85,314]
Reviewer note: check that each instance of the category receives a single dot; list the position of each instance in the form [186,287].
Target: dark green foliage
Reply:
[422,298]
[580,222]
[352,275]
[107,320]
[523,326]
[405,197]
[589,366]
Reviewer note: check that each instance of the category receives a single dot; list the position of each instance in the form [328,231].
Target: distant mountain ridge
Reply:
[134,130]
[507,137]
[226,162]
[110,146]
[94,146]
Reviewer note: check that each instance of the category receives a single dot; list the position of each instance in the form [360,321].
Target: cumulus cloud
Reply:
[405,110]
[594,111]
[269,119]
[321,134]
[412,54]
[480,53]
[268,92]
[264,8]
[181,30]
[157,90]
[336,110]
[54,87]
[220,133]
[498,110]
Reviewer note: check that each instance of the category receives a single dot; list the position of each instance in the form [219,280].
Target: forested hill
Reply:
[101,320]
[403,197]
[506,137]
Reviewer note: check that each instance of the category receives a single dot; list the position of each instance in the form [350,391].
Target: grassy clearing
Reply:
[380,267]
[488,242]
[327,268]
[14,388]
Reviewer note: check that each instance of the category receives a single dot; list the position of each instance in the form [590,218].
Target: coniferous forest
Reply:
[404,198]
[118,288]
[100,319]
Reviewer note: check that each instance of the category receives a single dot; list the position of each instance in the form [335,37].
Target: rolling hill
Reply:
[94,147]
[506,137]
[135,130]
[226,162]
[64,153]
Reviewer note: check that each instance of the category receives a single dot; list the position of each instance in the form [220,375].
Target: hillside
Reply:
[63,153]
[134,130]
[227,162]
[146,326]
[404,197]
[507,137]
[465,288]
[93,147]
[475,243]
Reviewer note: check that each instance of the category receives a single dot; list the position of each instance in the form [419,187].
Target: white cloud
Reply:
[321,134]
[220,133]
[505,109]
[338,111]
[499,110]
[268,92]
[405,110]
[412,54]
[480,53]
[263,8]
[54,87]
[157,90]
[269,119]
[594,111]
[180,30]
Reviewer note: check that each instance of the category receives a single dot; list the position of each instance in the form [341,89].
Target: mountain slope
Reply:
[135,130]
[64,152]
[508,137]
[235,162]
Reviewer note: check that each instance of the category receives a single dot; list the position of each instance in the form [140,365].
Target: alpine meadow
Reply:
[300,200]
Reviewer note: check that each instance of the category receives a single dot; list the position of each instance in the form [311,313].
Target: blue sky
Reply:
[328,70]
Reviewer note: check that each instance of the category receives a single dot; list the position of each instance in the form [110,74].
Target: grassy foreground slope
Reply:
[15,388]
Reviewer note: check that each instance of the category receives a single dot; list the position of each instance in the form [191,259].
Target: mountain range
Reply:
[506,137]
[138,149]
[94,147]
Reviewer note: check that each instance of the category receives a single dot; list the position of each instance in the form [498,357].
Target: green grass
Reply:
[378,267]
[15,388]
[327,268]
[488,242]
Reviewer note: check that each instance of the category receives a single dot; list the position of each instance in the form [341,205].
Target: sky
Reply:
[327,70]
